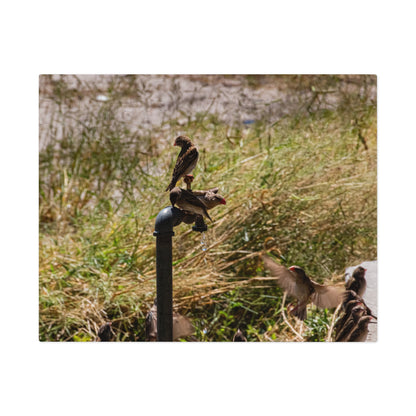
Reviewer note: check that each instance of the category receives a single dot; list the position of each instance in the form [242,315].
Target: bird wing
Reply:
[184,161]
[286,279]
[327,296]
[207,192]
[182,326]
[191,199]
[345,330]
[349,283]
[199,193]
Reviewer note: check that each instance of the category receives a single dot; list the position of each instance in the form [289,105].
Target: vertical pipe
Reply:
[168,218]
[165,221]
[164,287]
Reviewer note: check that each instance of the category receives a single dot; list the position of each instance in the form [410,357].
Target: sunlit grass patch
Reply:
[306,182]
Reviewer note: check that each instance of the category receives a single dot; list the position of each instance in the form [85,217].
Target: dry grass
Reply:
[306,183]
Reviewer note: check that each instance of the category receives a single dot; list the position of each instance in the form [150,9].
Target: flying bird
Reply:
[357,281]
[186,161]
[182,326]
[105,333]
[239,336]
[187,201]
[296,283]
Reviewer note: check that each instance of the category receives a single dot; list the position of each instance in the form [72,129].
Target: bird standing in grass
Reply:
[295,281]
[187,201]
[105,333]
[239,336]
[186,161]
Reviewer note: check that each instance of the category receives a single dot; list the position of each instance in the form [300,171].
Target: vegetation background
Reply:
[294,156]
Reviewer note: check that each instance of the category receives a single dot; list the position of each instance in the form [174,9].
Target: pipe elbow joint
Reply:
[167,218]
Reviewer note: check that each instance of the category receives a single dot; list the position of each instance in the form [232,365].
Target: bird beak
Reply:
[174,143]
[223,202]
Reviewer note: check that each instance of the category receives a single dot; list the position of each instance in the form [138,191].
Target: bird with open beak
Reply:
[186,161]
[297,284]
[187,201]
[357,281]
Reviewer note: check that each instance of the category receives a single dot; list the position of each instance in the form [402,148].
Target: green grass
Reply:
[306,184]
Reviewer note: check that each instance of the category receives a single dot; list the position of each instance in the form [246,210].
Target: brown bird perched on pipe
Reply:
[296,283]
[210,198]
[186,161]
[187,201]
[357,281]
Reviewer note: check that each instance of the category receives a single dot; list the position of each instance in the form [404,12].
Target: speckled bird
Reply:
[360,333]
[346,314]
[186,161]
[210,198]
[187,201]
[356,313]
[296,283]
[351,295]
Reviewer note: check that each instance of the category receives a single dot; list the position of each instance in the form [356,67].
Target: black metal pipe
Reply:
[165,221]
[200,224]
[168,218]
